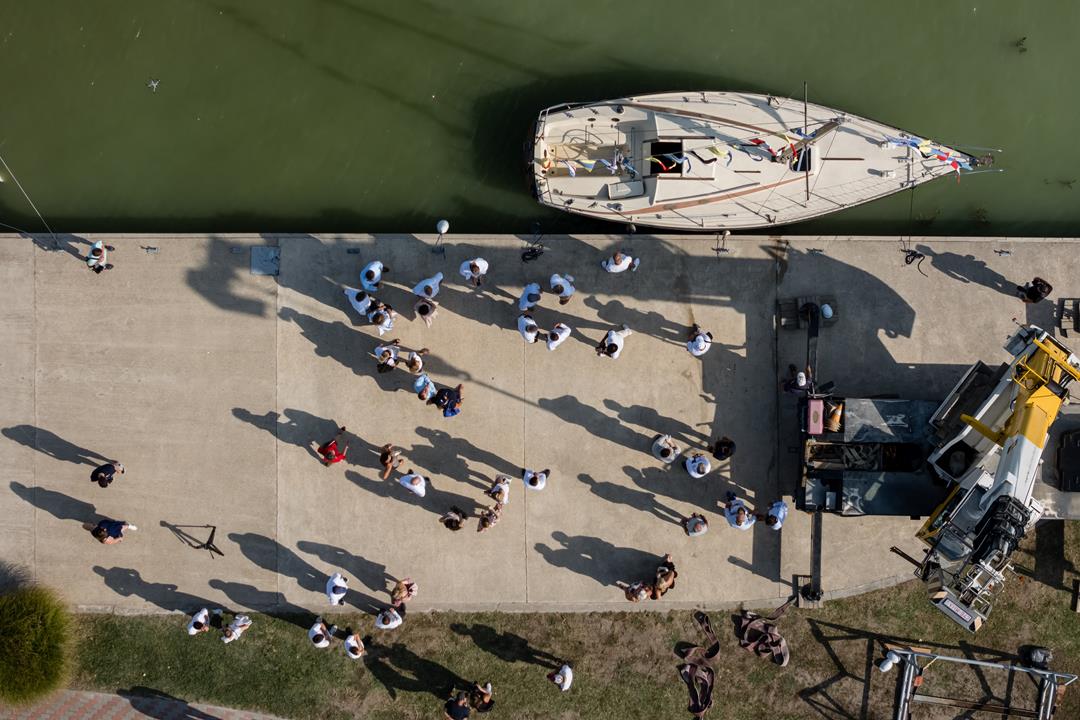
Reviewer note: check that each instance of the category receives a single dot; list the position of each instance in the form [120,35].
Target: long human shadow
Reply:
[128,582]
[648,417]
[61,242]
[652,323]
[597,559]
[267,601]
[674,482]
[304,430]
[399,669]
[160,705]
[271,555]
[569,409]
[460,454]
[968,269]
[57,504]
[373,575]
[435,500]
[630,497]
[506,646]
[52,445]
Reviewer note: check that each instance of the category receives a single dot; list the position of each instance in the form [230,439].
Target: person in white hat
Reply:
[530,296]
[563,286]
[557,335]
[700,341]
[336,587]
[474,271]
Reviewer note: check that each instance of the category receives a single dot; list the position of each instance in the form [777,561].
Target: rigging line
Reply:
[12,227]
[817,178]
[25,195]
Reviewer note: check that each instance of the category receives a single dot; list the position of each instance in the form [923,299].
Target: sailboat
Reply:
[724,160]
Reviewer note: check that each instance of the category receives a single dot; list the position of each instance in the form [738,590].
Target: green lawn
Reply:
[624,666]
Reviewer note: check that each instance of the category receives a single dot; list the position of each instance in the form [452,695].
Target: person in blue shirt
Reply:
[110,532]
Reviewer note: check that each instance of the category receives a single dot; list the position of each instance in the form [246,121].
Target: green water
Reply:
[346,115]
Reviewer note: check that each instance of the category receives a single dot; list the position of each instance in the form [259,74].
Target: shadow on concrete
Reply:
[435,500]
[304,430]
[506,646]
[968,269]
[630,497]
[648,417]
[159,705]
[128,582]
[13,576]
[569,409]
[52,445]
[269,602]
[614,313]
[447,452]
[674,482]
[62,242]
[57,504]
[271,555]
[598,559]
[372,574]
[399,669]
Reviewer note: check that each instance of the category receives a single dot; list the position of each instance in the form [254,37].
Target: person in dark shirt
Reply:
[104,475]
[723,448]
[1034,291]
[457,708]
[448,400]
[110,532]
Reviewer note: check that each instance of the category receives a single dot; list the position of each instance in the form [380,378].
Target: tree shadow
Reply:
[968,269]
[637,499]
[269,602]
[506,646]
[159,705]
[127,582]
[52,445]
[57,504]
[373,575]
[598,559]
[397,668]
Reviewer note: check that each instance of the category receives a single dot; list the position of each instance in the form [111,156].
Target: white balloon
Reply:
[442,227]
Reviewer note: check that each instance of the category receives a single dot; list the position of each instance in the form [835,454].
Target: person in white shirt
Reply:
[776,515]
[236,628]
[425,389]
[354,646]
[563,286]
[381,315]
[535,480]
[474,270]
[336,587]
[700,341]
[737,514]
[612,344]
[415,361]
[360,300]
[664,449]
[696,525]
[557,335]
[429,287]
[320,635]
[697,465]
[200,622]
[563,677]
[388,619]
[528,328]
[530,296]
[371,276]
[414,482]
[500,489]
[620,262]
[387,355]
[98,257]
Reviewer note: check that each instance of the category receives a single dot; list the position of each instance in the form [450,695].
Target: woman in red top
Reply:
[329,451]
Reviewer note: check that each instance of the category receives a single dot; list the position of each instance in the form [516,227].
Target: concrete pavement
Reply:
[133,705]
[209,383]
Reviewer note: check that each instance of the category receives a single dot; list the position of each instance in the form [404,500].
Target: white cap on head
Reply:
[826,311]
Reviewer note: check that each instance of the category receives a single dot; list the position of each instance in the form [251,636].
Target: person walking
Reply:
[389,458]
[474,271]
[387,355]
[696,525]
[236,628]
[700,341]
[336,588]
[388,619]
[426,309]
[612,344]
[697,465]
[449,401]
[776,515]
[453,519]
[563,286]
[723,448]
[404,591]
[382,317]
[354,646]
[530,297]
[1034,291]
[500,489]
[665,449]
[414,482]
[528,327]
[535,480]
[737,514]
[320,635]
[425,389]
[103,475]
[371,276]
[557,335]
[360,300]
[563,678]
[329,451]
[621,262]
[428,287]
[110,532]
[98,257]
[488,518]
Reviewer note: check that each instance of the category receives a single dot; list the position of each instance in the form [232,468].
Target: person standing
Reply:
[696,525]
[530,297]
[98,257]
[428,287]
[474,271]
[635,591]
[457,707]
[698,466]
[200,622]
[404,591]
[453,519]
[736,513]
[723,449]
[665,449]
[700,341]
[665,577]
[1034,291]
[776,515]
[414,482]
[389,458]
[387,355]
[527,327]
[563,286]
[360,300]
[388,619]
[336,588]
[354,646]
[382,317]
[414,361]
[329,452]
[449,401]
[612,344]
[426,309]
[371,276]
[500,489]
[535,480]
[563,677]
[620,262]
[104,474]
[236,628]
[425,389]
[110,532]
[557,335]
[488,518]
[320,635]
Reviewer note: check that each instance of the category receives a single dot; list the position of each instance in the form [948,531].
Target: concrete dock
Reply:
[210,383]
